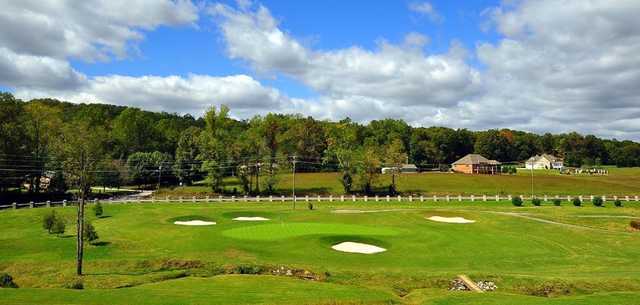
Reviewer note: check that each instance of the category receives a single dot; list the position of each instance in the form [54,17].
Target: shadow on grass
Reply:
[104,216]
[101,243]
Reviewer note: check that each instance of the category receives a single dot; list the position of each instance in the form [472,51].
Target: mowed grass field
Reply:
[535,255]
[619,182]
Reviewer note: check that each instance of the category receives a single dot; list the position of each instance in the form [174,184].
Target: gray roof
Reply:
[474,159]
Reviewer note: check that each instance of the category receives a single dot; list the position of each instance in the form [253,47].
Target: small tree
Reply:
[97,209]
[557,202]
[597,201]
[59,226]
[576,201]
[516,201]
[90,233]
[513,170]
[617,203]
[49,220]
[536,201]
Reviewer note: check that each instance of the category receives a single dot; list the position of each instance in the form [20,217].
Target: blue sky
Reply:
[326,25]
[533,65]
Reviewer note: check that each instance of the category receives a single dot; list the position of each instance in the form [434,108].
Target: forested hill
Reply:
[40,135]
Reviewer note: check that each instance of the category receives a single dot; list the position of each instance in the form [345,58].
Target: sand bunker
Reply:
[353,247]
[450,219]
[194,223]
[251,218]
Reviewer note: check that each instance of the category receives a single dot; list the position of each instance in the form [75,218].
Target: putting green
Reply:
[278,231]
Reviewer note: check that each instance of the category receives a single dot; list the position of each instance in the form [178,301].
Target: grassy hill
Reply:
[620,181]
[535,255]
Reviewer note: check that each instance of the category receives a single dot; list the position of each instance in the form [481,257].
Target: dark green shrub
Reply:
[89,233]
[248,269]
[76,284]
[516,201]
[49,220]
[536,201]
[557,202]
[597,201]
[635,224]
[6,281]
[617,203]
[97,209]
[59,226]
[576,201]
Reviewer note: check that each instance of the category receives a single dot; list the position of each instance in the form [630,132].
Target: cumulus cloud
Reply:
[89,30]
[192,94]
[401,75]
[29,71]
[426,9]
[563,66]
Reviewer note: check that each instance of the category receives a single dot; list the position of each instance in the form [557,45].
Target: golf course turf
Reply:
[535,255]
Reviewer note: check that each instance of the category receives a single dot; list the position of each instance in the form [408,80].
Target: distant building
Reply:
[405,169]
[476,164]
[544,161]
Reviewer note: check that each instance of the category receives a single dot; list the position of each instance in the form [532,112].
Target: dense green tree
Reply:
[133,131]
[395,157]
[187,166]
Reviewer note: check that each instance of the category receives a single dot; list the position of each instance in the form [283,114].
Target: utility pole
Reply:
[159,175]
[531,180]
[294,181]
[80,220]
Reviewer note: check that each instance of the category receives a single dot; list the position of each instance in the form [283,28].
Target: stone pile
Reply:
[457,285]
[487,285]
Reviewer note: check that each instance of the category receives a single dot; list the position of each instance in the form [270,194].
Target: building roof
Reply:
[475,159]
[550,158]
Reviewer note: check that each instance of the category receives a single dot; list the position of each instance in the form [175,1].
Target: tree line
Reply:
[80,145]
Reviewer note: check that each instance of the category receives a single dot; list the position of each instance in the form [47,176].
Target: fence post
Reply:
[366,198]
[509,197]
[545,197]
[95,200]
[64,203]
[31,204]
[353,198]
[282,198]
[410,198]
[581,200]
[626,198]
[388,198]
[233,198]
[459,198]
[244,198]
[306,198]
[15,205]
[270,198]
[48,203]
[180,199]
[497,198]
[604,198]
[473,197]
[448,198]
[484,197]
[636,197]
[421,198]
[318,198]
[591,197]
[341,198]
[399,198]
[257,198]
[330,198]
[435,198]
[568,198]
[207,198]
[376,198]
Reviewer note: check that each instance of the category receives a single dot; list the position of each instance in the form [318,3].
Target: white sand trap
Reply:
[251,219]
[451,219]
[353,247]
[194,223]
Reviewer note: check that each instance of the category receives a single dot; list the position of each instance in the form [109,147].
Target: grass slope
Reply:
[555,251]
[620,181]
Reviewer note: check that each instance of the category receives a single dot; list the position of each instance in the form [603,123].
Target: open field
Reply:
[535,255]
[620,181]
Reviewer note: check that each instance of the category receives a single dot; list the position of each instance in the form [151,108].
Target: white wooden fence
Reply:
[341,198]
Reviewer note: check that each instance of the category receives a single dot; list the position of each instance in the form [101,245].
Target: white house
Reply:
[406,168]
[544,161]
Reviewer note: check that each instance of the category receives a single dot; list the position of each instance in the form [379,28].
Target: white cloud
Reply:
[192,94]
[89,30]
[29,71]
[397,74]
[425,8]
